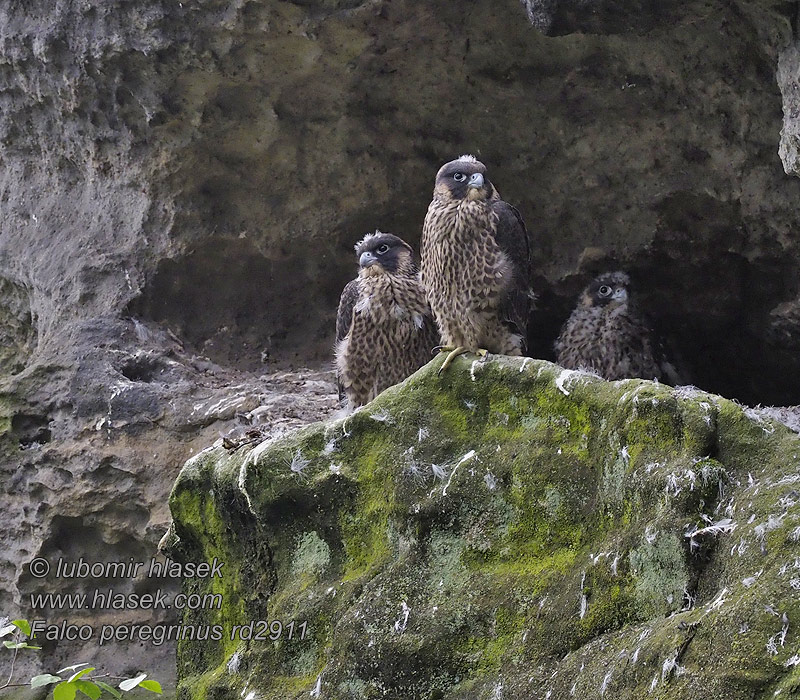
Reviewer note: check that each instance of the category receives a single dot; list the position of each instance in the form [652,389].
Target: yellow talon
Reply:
[454,352]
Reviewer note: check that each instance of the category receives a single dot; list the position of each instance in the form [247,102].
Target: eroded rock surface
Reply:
[509,530]
[789,80]
[87,480]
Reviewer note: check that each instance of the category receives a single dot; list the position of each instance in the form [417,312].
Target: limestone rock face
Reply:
[789,80]
[509,530]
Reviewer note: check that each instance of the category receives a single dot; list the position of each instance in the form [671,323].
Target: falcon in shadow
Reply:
[607,335]
[384,328]
[475,264]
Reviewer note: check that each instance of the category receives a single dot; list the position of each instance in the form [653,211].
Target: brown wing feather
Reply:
[431,334]
[344,318]
[514,241]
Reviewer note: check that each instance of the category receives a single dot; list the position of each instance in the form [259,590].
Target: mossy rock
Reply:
[507,530]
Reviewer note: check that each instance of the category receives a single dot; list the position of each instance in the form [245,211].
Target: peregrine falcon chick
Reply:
[607,335]
[475,263]
[384,328]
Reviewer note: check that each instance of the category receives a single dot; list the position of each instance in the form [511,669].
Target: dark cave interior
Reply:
[715,310]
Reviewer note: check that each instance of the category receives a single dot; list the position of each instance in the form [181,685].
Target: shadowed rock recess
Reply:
[511,530]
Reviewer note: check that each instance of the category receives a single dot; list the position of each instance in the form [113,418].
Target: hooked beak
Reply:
[621,295]
[366,259]
[476,181]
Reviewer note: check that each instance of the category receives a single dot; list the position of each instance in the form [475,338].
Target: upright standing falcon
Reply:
[384,328]
[607,335]
[475,263]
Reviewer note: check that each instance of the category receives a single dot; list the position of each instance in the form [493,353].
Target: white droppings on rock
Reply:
[606,681]
[234,662]
[461,461]
[401,622]
[584,601]
[476,365]
[720,527]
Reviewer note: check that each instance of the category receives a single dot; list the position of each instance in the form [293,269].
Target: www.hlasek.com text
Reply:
[109,599]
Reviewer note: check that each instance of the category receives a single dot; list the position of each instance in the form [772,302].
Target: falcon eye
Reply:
[382,249]
[459,177]
[605,290]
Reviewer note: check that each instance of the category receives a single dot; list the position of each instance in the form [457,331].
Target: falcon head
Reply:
[384,252]
[607,289]
[464,178]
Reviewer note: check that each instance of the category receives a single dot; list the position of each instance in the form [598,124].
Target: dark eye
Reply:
[605,290]
[382,249]
[459,177]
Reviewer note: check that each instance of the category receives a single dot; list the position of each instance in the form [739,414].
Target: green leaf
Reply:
[89,689]
[19,645]
[109,689]
[152,686]
[79,674]
[65,691]
[14,645]
[44,679]
[23,625]
[131,683]
[70,669]
[8,629]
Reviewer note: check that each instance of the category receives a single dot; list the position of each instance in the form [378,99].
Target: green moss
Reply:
[549,559]
[488,653]
[366,529]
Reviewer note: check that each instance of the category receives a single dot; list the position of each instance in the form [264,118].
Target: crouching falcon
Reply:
[475,264]
[606,334]
[384,328]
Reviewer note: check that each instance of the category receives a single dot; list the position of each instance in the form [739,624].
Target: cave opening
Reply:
[726,314]
[240,309]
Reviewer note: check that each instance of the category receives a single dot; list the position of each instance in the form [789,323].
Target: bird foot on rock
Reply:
[454,353]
